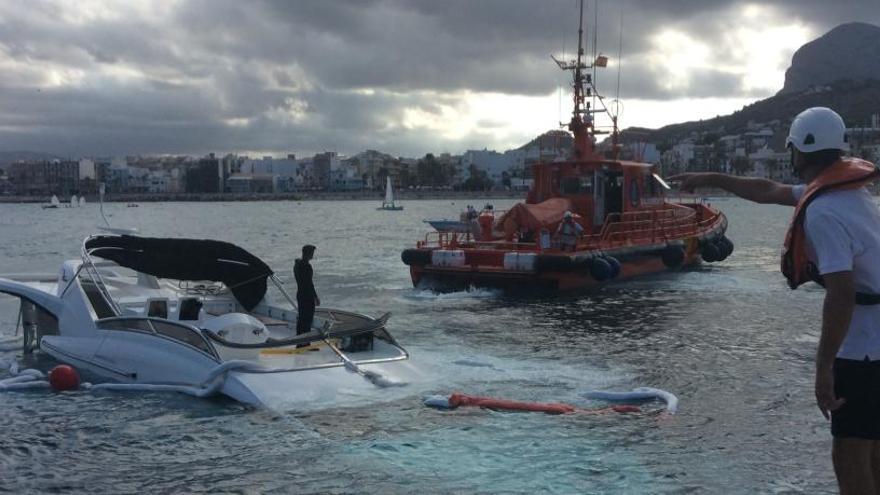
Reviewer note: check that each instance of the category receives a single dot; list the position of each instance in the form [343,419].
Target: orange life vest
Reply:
[848,173]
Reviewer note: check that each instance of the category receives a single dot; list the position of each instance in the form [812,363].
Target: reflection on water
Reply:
[727,338]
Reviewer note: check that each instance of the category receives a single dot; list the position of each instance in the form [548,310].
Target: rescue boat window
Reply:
[587,184]
[652,187]
[571,185]
[634,192]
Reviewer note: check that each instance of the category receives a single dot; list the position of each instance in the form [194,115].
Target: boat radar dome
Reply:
[567,214]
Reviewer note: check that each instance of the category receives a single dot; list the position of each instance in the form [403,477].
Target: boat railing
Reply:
[654,226]
[657,225]
[447,240]
[90,269]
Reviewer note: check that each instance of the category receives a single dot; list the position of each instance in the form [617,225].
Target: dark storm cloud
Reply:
[225,75]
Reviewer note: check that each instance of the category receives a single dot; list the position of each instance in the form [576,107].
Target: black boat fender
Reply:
[600,269]
[672,255]
[710,252]
[615,266]
[581,263]
[416,257]
[553,263]
[717,249]
[726,246]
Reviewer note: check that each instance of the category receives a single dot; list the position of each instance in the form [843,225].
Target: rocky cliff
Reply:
[849,51]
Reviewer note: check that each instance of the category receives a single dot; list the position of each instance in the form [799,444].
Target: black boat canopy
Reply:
[188,259]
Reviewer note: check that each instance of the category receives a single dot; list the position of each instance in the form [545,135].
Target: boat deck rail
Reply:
[619,229]
[653,226]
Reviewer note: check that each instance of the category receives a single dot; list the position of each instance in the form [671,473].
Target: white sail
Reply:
[82,200]
[73,201]
[389,194]
[54,200]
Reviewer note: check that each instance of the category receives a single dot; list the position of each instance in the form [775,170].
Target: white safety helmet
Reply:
[817,129]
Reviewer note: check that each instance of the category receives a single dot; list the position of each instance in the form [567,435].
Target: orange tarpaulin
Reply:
[546,215]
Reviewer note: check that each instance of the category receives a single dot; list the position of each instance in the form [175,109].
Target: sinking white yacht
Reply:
[198,314]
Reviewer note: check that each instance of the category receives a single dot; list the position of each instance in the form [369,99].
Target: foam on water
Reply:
[421,295]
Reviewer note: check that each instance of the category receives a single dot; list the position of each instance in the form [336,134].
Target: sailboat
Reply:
[388,204]
[74,202]
[82,200]
[53,203]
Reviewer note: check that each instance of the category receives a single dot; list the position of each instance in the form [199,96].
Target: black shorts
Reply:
[858,382]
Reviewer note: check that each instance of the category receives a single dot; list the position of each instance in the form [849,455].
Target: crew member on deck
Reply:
[306,296]
[568,232]
[834,239]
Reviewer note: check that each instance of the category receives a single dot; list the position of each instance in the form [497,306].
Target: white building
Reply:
[493,163]
[87,169]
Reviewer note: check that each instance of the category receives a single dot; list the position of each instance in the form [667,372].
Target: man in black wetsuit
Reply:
[306,296]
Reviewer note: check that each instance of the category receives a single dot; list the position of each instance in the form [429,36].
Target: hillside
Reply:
[854,100]
[554,139]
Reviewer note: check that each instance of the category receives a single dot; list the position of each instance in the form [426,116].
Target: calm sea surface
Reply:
[729,339]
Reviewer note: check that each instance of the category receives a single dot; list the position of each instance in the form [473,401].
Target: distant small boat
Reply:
[388,204]
[82,200]
[132,205]
[74,201]
[53,203]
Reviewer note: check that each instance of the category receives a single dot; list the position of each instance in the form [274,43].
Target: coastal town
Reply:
[758,152]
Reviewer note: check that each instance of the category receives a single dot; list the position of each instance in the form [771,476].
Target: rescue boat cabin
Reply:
[599,191]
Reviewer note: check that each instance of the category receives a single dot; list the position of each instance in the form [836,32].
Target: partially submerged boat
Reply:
[627,227]
[196,313]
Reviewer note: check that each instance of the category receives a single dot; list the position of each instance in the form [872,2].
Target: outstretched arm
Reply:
[750,188]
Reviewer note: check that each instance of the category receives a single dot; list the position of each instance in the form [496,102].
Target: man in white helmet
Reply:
[834,239]
[568,232]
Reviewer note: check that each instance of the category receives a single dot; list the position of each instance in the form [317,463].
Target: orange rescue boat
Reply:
[626,226]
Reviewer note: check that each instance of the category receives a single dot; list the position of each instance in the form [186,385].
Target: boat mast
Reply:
[582,124]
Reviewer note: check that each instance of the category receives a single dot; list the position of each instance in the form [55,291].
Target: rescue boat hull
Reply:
[553,270]
[438,278]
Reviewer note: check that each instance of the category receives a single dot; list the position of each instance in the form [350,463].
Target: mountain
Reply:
[849,51]
[840,70]
[554,139]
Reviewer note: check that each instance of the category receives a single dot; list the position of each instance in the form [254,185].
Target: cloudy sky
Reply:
[88,78]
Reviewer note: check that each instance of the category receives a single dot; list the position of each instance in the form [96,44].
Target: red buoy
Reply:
[63,377]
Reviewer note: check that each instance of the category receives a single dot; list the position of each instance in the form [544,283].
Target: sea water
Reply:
[728,338]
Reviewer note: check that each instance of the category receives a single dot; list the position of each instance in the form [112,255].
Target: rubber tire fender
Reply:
[726,246]
[553,263]
[615,266]
[600,269]
[710,252]
[416,257]
[672,256]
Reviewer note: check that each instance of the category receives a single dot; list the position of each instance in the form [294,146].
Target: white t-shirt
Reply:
[843,234]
